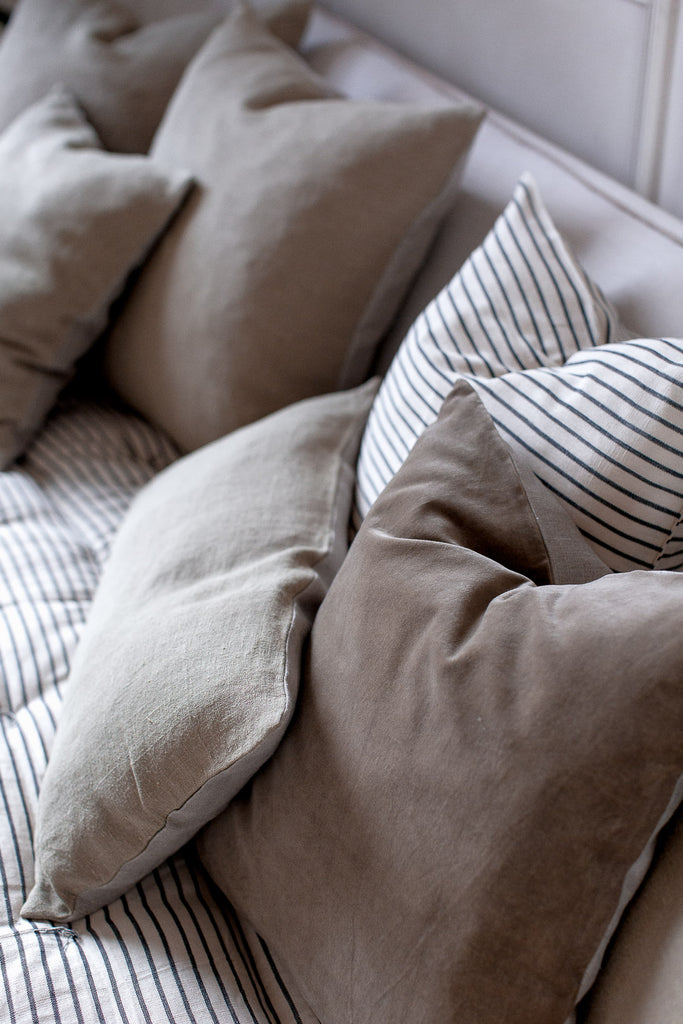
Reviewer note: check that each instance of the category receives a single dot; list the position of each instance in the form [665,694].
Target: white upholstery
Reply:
[609,227]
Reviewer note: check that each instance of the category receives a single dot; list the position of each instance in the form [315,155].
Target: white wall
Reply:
[604,78]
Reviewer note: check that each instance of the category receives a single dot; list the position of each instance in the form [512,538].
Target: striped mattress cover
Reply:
[171,949]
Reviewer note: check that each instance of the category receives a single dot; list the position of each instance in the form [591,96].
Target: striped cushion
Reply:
[519,302]
[604,433]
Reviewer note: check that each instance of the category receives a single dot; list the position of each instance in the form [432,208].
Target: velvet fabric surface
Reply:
[479,757]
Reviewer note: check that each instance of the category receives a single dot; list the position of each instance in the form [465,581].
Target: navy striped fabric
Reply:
[520,301]
[604,432]
[171,950]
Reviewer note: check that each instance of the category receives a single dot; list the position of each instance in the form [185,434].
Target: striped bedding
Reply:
[520,300]
[603,433]
[171,949]
[596,412]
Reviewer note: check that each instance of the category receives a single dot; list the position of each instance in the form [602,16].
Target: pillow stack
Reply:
[76,218]
[247,308]
[310,213]
[479,874]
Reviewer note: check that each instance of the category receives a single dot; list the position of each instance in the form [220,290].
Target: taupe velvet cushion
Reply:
[188,667]
[75,221]
[311,216]
[122,70]
[479,757]
[641,979]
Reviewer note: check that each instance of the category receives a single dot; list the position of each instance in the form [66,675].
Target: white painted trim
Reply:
[656,87]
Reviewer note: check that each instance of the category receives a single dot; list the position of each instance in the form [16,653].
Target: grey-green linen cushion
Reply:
[478,759]
[312,214]
[188,667]
[123,71]
[75,222]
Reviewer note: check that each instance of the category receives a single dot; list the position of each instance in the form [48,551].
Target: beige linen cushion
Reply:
[312,214]
[122,72]
[187,670]
[75,221]
[479,757]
